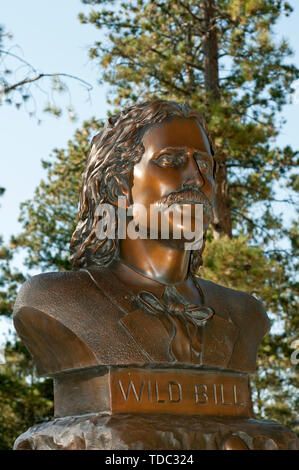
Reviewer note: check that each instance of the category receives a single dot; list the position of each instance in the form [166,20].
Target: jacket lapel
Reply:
[219,338]
[150,334]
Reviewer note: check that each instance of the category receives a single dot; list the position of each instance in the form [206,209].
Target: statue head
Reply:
[116,158]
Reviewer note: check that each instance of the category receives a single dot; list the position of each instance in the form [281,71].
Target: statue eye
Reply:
[167,160]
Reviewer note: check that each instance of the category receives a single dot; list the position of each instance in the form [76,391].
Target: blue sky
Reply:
[53,40]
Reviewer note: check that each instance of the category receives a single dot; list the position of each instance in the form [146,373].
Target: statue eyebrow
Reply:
[181,151]
[177,150]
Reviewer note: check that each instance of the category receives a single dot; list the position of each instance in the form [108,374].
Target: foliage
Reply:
[25,400]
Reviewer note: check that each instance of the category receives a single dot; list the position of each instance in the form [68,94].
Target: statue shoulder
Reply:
[45,289]
[247,314]
[70,321]
[42,317]
[244,308]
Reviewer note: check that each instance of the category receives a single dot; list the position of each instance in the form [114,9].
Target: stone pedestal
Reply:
[98,431]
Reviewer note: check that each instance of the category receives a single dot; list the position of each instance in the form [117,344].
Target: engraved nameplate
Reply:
[179,392]
[136,390]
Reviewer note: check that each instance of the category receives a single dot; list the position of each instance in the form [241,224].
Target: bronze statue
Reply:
[132,336]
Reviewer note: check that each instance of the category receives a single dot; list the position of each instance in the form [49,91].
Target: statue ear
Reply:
[124,197]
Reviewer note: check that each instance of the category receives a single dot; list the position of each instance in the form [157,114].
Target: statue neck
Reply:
[155,259]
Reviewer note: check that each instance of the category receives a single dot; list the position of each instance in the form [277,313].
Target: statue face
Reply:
[177,166]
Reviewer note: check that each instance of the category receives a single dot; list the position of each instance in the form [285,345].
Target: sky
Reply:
[52,39]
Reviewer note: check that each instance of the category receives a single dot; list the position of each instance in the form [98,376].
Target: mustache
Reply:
[190,195]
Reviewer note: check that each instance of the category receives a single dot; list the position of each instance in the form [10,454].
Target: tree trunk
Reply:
[222,216]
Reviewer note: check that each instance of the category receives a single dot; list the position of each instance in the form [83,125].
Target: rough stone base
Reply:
[152,432]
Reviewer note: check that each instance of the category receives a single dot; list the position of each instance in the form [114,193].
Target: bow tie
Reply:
[197,315]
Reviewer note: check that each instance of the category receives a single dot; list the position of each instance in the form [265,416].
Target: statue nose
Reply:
[193,175]
[194,179]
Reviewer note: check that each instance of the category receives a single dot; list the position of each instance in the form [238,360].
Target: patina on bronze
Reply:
[140,347]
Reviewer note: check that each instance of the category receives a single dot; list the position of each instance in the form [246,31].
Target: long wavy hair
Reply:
[109,174]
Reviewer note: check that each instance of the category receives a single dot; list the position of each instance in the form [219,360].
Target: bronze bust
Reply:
[132,332]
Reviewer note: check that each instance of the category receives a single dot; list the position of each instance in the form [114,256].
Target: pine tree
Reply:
[24,399]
